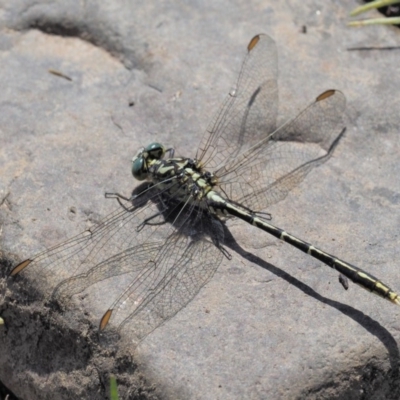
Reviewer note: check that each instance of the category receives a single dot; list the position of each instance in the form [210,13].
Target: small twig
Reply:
[60,74]
[370,48]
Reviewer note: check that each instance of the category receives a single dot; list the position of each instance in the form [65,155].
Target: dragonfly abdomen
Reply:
[355,274]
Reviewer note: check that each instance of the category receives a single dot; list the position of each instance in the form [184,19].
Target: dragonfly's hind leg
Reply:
[119,197]
[147,221]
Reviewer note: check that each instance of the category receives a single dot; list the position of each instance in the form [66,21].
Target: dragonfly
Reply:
[168,237]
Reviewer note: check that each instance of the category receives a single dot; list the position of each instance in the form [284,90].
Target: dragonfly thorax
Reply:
[182,179]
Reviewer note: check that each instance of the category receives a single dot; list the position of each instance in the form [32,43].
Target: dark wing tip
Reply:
[16,270]
[253,43]
[326,94]
[104,320]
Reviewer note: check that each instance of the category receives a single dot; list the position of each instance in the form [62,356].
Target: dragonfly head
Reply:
[144,159]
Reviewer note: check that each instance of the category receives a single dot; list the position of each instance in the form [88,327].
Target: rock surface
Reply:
[273,323]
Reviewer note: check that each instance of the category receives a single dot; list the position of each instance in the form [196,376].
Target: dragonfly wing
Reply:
[249,113]
[165,252]
[170,280]
[101,251]
[264,174]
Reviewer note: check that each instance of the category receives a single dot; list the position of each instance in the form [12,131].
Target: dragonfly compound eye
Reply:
[155,151]
[139,167]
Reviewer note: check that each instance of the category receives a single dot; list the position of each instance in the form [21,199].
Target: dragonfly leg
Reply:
[118,197]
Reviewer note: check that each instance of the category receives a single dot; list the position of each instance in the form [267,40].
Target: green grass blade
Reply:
[376,21]
[113,388]
[371,6]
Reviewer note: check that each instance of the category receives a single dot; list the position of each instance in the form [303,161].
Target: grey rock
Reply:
[273,323]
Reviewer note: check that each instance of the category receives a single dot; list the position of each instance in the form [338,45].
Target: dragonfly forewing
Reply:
[249,111]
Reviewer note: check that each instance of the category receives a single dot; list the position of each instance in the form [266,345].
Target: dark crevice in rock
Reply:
[106,39]
[368,382]
[66,30]
[6,393]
